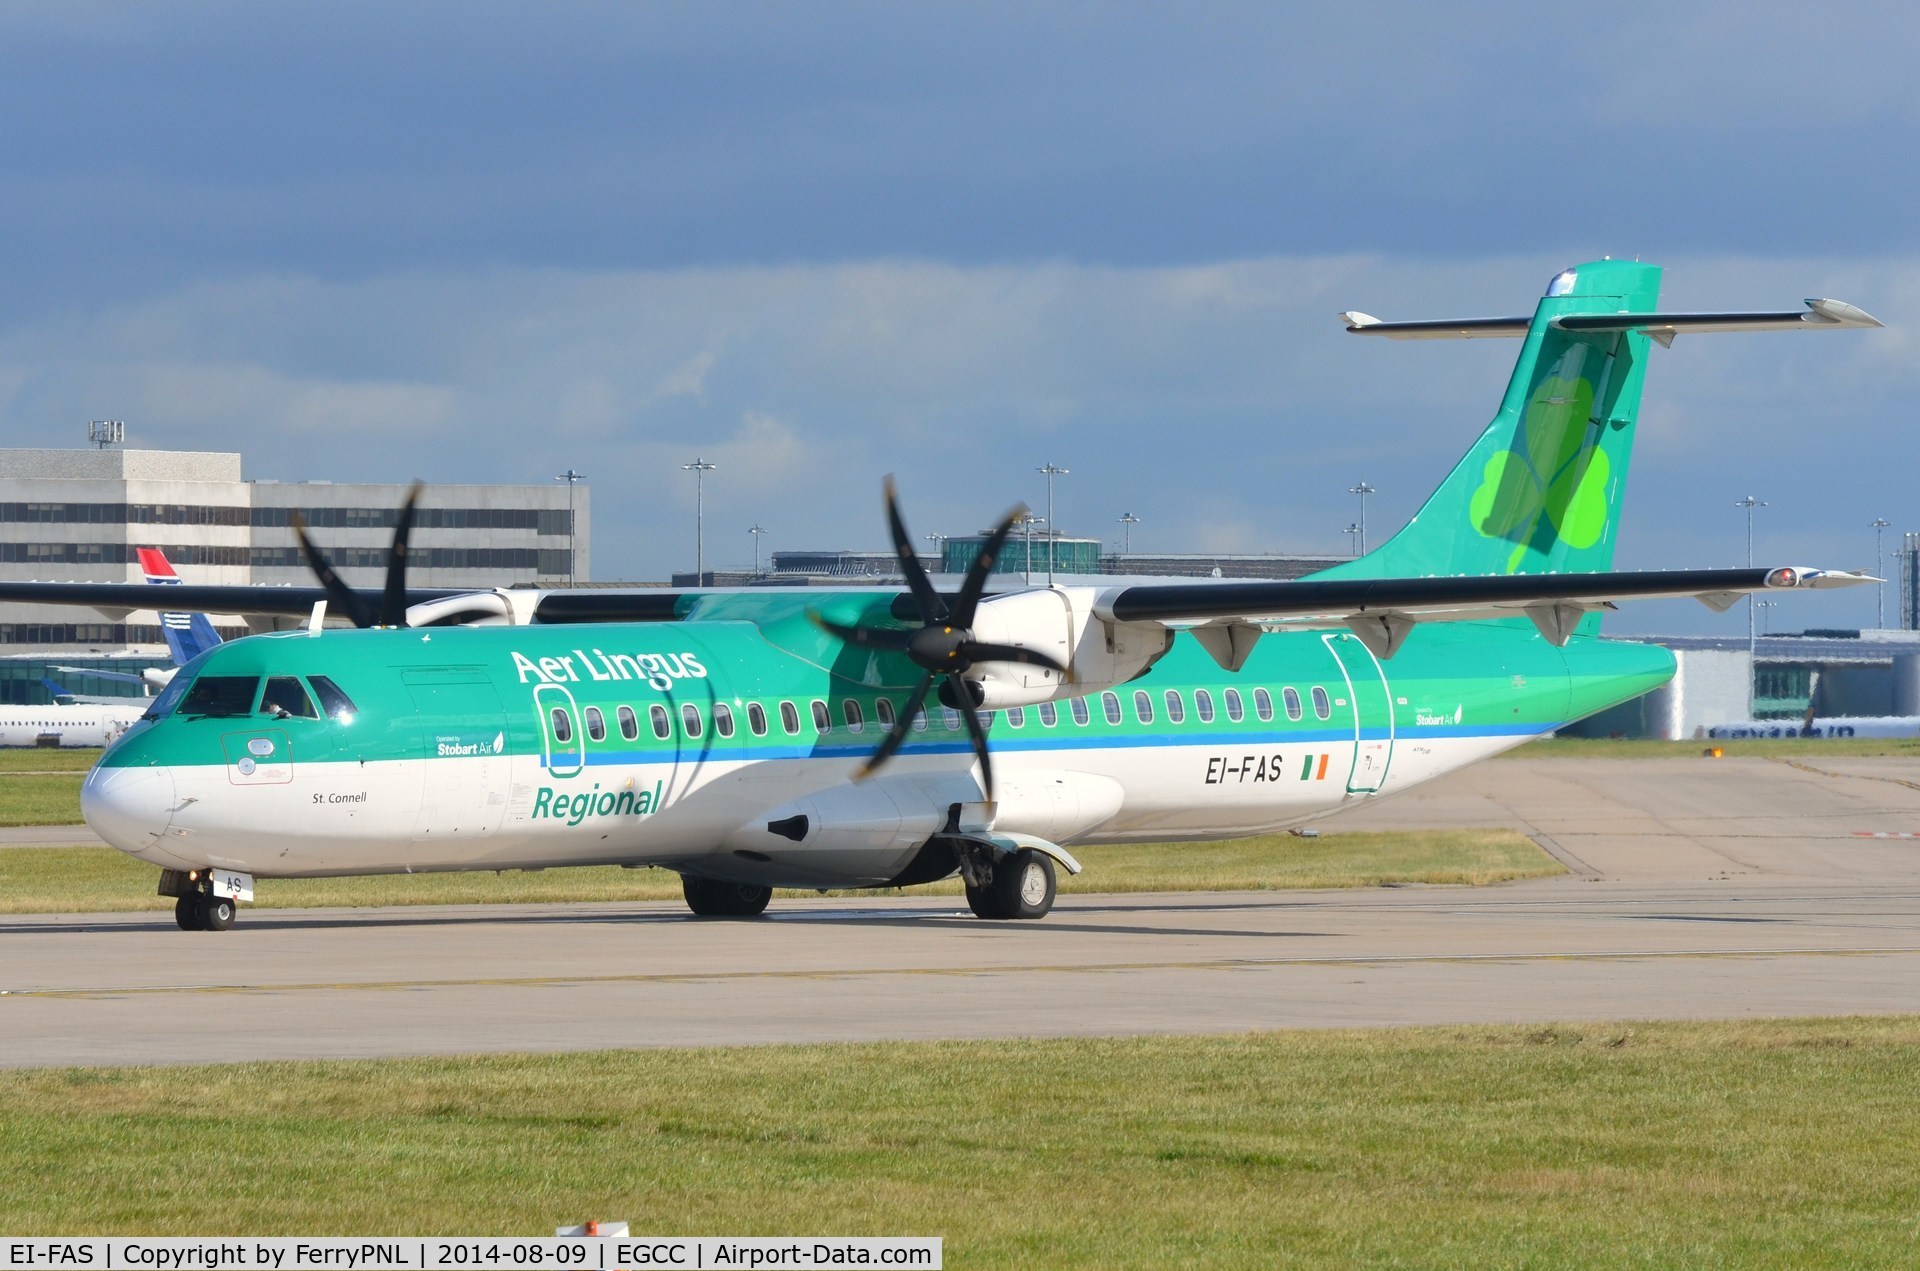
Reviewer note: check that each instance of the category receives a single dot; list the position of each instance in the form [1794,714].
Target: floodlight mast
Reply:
[570,476]
[1750,503]
[1880,524]
[699,468]
[1127,521]
[1050,472]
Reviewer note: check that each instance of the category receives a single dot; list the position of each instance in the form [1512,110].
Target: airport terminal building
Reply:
[80,515]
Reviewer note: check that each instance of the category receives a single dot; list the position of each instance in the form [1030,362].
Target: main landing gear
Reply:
[205,899]
[711,898]
[1017,885]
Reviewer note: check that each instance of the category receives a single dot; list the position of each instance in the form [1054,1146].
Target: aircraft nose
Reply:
[128,807]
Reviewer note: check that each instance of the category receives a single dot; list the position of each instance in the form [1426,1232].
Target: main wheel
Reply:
[217,912]
[1023,884]
[983,902]
[186,913]
[712,898]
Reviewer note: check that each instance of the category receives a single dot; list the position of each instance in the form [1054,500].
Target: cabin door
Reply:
[1372,703]
[464,729]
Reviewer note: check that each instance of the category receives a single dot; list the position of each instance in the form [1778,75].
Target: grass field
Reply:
[1770,1143]
[95,879]
[18,759]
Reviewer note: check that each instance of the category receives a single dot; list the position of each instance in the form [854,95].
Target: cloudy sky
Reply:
[819,243]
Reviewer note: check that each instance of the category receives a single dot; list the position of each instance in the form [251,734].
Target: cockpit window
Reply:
[334,704]
[176,687]
[220,695]
[285,698]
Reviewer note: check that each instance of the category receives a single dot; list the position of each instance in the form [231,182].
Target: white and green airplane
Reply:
[857,738]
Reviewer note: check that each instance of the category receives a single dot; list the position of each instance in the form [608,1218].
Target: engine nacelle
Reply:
[1060,622]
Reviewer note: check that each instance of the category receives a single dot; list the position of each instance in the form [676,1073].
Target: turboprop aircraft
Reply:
[886,737]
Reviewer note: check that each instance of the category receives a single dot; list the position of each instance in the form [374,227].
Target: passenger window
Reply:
[1203,705]
[662,722]
[1263,705]
[1321,707]
[822,721]
[883,711]
[1016,717]
[756,719]
[950,717]
[562,724]
[286,699]
[629,722]
[596,724]
[1110,704]
[1236,710]
[1048,714]
[221,695]
[920,720]
[790,718]
[856,722]
[334,704]
[1143,706]
[690,718]
[723,719]
[1291,700]
[1176,708]
[1080,713]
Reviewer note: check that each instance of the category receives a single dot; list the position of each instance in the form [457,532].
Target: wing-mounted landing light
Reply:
[391,611]
[943,645]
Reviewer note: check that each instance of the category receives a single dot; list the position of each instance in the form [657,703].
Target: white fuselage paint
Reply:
[77,725]
[487,811]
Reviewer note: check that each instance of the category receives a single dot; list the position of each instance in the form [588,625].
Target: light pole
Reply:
[939,542]
[1027,521]
[570,476]
[1750,503]
[1050,472]
[699,468]
[1765,618]
[1127,521]
[1363,490]
[1880,524]
[1353,535]
[756,531]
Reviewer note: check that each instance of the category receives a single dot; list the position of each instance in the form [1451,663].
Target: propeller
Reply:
[943,645]
[391,609]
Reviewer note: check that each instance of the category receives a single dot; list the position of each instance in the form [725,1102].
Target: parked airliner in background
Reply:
[97,722]
[715,733]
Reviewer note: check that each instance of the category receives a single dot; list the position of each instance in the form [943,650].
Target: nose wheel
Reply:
[204,913]
[195,906]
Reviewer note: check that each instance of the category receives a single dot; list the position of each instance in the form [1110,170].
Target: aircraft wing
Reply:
[294,602]
[1382,610]
[1818,315]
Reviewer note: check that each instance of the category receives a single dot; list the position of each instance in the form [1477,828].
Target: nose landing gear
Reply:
[205,899]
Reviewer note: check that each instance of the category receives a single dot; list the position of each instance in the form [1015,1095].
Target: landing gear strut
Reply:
[711,898]
[195,906]
[1017,885]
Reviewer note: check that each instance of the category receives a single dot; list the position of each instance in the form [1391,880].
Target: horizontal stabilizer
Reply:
[1818,315]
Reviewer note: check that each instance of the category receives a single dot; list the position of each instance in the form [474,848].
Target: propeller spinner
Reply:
[943,645]
[391,609]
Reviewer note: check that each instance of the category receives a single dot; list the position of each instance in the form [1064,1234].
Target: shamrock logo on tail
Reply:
[1552,474]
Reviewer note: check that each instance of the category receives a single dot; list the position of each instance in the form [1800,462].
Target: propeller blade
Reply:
[864,637]
[980,651]
[975,584]
[897,735]
[342,597]
[393,606]
[932,607]
[971,718]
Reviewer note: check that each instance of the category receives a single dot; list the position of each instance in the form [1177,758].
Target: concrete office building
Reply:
[79,515]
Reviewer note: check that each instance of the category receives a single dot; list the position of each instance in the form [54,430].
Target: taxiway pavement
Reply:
[1698,889]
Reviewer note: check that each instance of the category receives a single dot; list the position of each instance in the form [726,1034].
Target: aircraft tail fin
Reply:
[1540,491]
[188,635]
